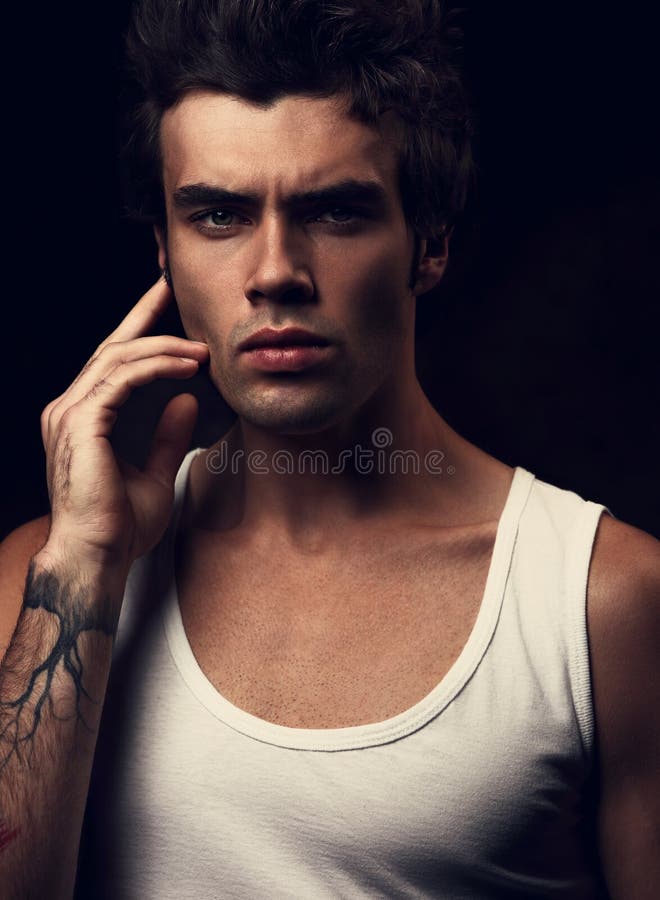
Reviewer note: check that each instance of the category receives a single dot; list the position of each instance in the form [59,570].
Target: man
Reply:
[357,656]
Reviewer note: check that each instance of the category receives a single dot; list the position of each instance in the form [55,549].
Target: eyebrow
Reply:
[347,191]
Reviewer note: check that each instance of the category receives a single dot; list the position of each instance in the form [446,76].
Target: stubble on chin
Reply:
[283,406]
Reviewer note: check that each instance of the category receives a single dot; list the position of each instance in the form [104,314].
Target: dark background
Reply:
[541,344]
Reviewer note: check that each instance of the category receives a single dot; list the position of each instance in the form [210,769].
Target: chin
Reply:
[289,416]
[289,407]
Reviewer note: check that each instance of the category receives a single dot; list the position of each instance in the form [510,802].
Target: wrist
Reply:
[95,579]
[82,562]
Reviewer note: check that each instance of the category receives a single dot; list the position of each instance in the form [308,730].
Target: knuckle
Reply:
[116,352]
[50,406]
[107,348]
[46,414]
[90,362]
[110,338]
[99,388]
[107,340]
[116,346]
[69,418]
[44,423]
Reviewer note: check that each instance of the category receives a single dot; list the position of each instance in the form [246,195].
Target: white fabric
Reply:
[477,791]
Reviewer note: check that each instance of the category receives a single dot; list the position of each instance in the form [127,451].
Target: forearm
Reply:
[52,686]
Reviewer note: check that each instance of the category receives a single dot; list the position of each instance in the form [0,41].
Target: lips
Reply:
[286,350]
[285,337]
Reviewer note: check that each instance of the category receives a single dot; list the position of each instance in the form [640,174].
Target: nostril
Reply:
[281,293]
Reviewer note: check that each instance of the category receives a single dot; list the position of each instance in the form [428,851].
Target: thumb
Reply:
[172,438]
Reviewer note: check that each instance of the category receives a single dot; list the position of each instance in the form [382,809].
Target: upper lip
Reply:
[284,337]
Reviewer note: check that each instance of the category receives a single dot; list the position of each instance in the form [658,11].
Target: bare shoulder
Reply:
[624,576]
[623,597]
[15,553]
[623,620]
[623,615]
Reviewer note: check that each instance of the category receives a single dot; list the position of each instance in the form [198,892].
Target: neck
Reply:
[384,464]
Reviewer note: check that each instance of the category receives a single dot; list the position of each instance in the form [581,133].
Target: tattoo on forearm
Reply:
[20,717]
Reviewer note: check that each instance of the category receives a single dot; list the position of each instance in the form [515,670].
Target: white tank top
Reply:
[480,790]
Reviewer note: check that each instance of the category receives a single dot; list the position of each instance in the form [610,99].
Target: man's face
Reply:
[271,254]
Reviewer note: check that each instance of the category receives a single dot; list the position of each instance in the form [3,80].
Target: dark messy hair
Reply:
[382,55]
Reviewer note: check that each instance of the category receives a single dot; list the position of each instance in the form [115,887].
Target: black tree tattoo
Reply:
[45,591]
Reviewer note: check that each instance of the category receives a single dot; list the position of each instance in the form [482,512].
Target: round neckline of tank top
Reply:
[352,737]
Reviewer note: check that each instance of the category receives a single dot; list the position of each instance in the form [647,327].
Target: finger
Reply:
[141,318]
[100,368]
[95,414]
[45,419]
[113,355]
[172,439]
[144,315]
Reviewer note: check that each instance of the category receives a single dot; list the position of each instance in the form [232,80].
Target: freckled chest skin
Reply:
[358,282]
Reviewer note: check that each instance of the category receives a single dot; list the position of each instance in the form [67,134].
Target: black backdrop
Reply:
[541,344]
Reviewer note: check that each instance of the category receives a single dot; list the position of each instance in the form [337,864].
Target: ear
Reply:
[434,254]
[161,240]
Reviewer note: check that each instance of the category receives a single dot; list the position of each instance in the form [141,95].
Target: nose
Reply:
[280,269]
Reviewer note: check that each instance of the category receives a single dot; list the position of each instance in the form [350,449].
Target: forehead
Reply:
[296,144]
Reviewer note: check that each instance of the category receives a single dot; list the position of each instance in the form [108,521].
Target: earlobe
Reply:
[159,234]
[432,264]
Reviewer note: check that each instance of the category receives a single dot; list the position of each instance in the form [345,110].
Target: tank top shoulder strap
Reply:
[551,572]
[148,574]
[166,546]
[580,543]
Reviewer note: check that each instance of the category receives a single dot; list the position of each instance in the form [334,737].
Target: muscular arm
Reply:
[105,513]
[624,636]
[52,684]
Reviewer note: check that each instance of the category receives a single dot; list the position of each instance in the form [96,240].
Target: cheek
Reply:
[192,323]
[200,291]
[363,286]
[379,302]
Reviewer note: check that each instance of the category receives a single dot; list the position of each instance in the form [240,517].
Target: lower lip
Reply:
[287,359]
